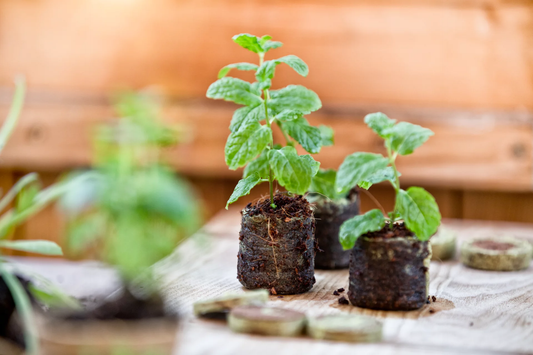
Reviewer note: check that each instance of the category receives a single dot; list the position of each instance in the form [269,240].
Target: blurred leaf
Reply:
[44,247]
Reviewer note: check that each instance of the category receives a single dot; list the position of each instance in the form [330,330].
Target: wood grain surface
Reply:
[476,312]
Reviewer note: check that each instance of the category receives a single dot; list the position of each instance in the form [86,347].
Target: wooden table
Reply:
[476,312]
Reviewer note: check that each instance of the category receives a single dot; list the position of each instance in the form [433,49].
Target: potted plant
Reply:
[133,210]
[331,210]
[17,322]
[276,249]
[389,268]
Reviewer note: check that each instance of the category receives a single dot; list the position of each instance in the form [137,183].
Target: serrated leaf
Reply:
[288,115]
[248,41]
[379,176]
[358,167]
[294,97]
[405,137]
[243,187]
[355,227]
[324,183]
[268,45]
[244,114]
[292,171]
[309,137]
[379,123]
[246,143]
[240,66]
[419,211]
[235,90]
[44,247]
[259,166]
[315,165]
[268,68]
[327,135]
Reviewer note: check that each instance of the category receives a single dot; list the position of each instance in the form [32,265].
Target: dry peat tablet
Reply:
[266,321]
[348,328]
[443,244]
[496,253]
[227,302]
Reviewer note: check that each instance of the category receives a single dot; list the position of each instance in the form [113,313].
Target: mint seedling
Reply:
[415,206]
[250,143]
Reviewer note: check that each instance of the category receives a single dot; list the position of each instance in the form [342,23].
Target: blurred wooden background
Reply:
[463,68]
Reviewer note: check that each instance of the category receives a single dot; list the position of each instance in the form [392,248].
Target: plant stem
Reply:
[376,202]
[266,96]
[396,184]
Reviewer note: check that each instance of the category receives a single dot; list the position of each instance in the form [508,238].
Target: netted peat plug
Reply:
[277,246]
[330,215]
[345,327]
[266,321]
[497,254]
[389,270]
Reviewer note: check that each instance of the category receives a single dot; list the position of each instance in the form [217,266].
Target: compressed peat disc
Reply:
[443,244]
[497,253]
[227,302]
[266,321]
[348,328]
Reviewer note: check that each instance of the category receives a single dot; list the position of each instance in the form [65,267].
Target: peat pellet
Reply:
[266,321]
[227,302]
[497,253]
[348,328]
[443,244]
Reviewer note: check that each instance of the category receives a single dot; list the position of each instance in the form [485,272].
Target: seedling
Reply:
[131,206]
[415,206]
[250,142]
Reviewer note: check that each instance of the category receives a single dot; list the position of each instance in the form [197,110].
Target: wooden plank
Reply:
[441,53]
[490,150]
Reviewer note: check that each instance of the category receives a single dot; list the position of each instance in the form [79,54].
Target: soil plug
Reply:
[227,302]
[443,244]
[348,328]
[497,253]
[266,321]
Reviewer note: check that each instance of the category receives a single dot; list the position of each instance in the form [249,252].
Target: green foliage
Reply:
[131,204]
[416,207]
[355,227]
[43,247]
[323,183]
[250,142]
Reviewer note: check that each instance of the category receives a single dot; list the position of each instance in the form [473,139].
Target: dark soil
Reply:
[343,300]
[330,215]
[492,245]
[387,270]
[277,246]
[125,306]
[10,327]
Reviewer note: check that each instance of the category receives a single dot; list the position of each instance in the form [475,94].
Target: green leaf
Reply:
[14,112]
[248,41]
[308,136]
[292,171]
[327,134]
[53,297]
[324,183]
[240,66]
[419,211]
[246,113]
[358,167]
[379,123]
[26,196]
[406,137]
[379,176]
[264,39]
[235,90]
[288,115]
[268,45]
[268,68]
[355,227]
[294,97]
[246,143]
[260,166]
[243,187]
[44,247]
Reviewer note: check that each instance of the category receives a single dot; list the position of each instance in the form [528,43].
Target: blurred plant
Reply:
[131,208]
[30,199]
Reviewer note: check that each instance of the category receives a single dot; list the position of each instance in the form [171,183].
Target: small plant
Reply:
[415,206]
[131,206]
[250,142]
[30,199]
